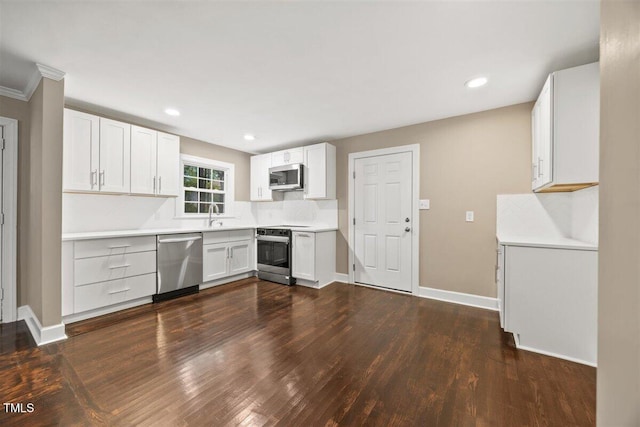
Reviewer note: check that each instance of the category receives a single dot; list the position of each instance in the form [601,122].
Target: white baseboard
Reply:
[77,317]
[226,280]
[471,300]
[552,354]
[41,335]
[344,278]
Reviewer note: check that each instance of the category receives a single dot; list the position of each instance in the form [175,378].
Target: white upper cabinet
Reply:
[565,130]
[286,157]
[168,164]
[155,162]
[81,151]
[260,177]
[143,160]
[320,171]
[115,156]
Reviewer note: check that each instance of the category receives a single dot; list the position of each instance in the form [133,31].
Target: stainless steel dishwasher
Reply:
[179,265]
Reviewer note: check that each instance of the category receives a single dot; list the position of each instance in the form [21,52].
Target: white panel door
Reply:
[214,261]
[115,156]
[168,164]
[143,160]
[2,284]
[240,257]
[383,216]
[81,151]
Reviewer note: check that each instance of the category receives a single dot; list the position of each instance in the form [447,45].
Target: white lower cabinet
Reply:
[100,273]
[550,300]
[227,253]
[313,258]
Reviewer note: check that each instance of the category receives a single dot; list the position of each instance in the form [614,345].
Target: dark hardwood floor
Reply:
[258,353]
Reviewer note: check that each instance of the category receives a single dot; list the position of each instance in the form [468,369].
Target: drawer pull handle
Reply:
[121,290]
[119,246]
[119,266]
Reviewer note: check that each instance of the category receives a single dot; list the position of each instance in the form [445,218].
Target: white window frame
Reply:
[229,198]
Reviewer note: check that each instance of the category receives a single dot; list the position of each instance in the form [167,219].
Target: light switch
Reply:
[469,216]
[424,204]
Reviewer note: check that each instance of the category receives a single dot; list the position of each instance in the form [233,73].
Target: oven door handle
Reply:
[273,239]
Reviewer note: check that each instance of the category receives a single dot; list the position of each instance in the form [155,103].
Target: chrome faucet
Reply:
[213,206]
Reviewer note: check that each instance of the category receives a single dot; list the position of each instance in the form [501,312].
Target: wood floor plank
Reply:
[258,353]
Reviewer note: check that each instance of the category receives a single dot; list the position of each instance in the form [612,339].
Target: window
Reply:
[205,184]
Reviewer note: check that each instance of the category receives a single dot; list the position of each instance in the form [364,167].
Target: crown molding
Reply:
[34,81]
[12,93]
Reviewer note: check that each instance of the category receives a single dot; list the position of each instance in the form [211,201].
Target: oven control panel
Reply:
[274,232]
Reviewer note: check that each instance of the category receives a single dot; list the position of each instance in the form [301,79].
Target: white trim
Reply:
[340,277]
[383,289]
[50,72]
[76,317]
[314,284]
[549,353]
[225,280]
[41,335]
[12,93]
[471,300]
[229,201]
[10,227]
[40,72]
[414,149]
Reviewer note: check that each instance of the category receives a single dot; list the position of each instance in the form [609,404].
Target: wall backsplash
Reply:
[573,215]
[102,212]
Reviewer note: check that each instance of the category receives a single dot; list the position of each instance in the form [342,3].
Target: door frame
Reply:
[10,228]
[414,149]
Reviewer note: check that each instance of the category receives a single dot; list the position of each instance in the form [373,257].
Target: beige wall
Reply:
[241,160]
[19,110]
[465,162]
[618,398]
[41,260]
[190,146]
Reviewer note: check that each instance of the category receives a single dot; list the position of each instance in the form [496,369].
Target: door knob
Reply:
[407,229]
[407,219]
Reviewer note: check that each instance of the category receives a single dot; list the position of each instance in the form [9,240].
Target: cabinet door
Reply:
[545,144]
[535,132]
[286,157]
[168,164]
[81,151]
[214,261]
[240,257]
[260,177]
[115,156]
[304,254]
[143,160]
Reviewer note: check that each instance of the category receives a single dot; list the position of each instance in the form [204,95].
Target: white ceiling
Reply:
[295,72]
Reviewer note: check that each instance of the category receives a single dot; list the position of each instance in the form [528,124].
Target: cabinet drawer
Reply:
[96,295]
[237,235]
[286,157]
[101,269]
[214,237]
[115,246]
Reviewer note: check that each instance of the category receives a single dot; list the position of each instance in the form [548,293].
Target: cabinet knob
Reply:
[407,229]
[407,220]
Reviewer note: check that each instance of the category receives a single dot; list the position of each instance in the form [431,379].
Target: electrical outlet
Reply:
[424,204]
[469,216]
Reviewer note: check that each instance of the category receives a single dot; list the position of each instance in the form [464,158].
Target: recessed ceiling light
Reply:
[249,137]
[172,112]
[477,82]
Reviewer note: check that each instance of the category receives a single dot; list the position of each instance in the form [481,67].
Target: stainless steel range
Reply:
[274,255]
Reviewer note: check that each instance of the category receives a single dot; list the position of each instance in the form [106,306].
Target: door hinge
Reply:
[2,218]
[354,221]
[354,174]
[354,267]
[1,144]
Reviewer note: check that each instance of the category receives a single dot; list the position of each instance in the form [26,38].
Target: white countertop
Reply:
[546,242]
[153,232]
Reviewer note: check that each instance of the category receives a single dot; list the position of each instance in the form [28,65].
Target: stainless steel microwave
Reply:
[287,177]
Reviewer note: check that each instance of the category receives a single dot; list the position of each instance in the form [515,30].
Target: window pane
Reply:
[191,196]
[220,207]
[204,173]
[205,197]
[204,207]
[190,170]
[190,182]
[204,183]
[218,198]
[216,174]
[191,208]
